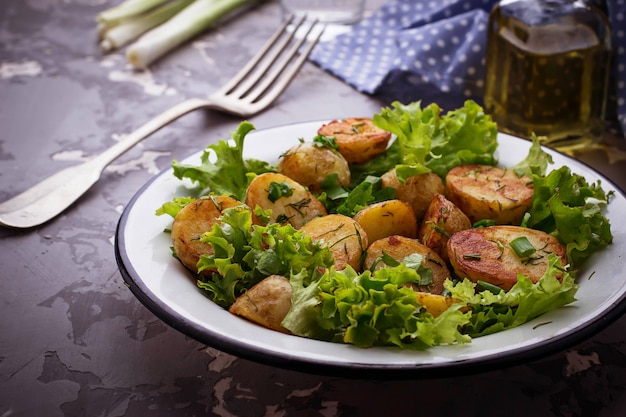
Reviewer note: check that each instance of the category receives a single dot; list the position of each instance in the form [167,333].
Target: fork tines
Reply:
[262,79]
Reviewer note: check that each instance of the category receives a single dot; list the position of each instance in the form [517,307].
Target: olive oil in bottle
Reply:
[547,70]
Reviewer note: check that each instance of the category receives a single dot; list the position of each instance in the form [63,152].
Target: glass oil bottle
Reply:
[547,70]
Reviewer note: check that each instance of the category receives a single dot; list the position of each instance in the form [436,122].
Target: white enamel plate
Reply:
[165,287]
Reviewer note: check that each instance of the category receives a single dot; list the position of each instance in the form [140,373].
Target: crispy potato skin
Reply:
[191,223]
[357,138]
[342,235]
[441,220]
[399,247]
[417,191]
[487,192]
[387,218]
[309,165]
[266,303]
[485,254]
[297,209]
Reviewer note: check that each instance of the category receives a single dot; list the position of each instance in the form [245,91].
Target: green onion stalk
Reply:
[127,30]
[127,10]
[188,23]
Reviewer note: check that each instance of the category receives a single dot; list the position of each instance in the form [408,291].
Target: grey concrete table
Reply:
[74,341]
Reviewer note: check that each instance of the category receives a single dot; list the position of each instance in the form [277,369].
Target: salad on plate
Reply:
[396,230]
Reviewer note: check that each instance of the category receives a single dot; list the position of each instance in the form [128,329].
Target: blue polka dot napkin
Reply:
[434,51]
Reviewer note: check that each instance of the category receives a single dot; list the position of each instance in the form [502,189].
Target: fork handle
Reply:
[156,123]
[54,194]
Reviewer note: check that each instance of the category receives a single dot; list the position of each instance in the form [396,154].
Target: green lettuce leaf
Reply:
[493,313]
[536,162]
[228,173]
[370,310]
[172,208]
[568,207]
[348,202]
[244,254]
[428,141]
[467,136]
[414,128]
[380,310]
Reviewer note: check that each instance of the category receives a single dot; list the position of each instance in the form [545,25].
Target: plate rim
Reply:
[496,360]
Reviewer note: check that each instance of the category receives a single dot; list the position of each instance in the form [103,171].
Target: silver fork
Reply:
[252,90]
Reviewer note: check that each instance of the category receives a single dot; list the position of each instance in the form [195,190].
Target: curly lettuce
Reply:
[495,312]
[378,309]
[228,172]
[565,205]
[430,142]
[536,162]
[245,253]
[370,310]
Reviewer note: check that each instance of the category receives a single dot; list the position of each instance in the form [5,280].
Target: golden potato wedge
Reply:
[296,208]
[485,254]
[309,165]
[191,223]
[487,192]
[435,304]
[417,190]
[342,235]
[266,303]
[399,247]
[357,138]
[441,220]
[387,218]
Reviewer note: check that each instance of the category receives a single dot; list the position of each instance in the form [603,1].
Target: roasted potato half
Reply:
[296,205]
[387,218]
[266,303]
[488,192]
[417,191]
[485,254]
[441,220]
[191,223]
[310,164]
[399,247]
[357,138]
[342,235]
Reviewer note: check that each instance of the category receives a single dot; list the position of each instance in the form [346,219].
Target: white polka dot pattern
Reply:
[434,50]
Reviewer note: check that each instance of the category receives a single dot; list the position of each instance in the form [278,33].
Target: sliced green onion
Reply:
[389,260]
[127,9]
[278,190]
[525,219]
[500,248]
[489,287]
[190,22]
[484,223]
[522,247]
[129,30]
